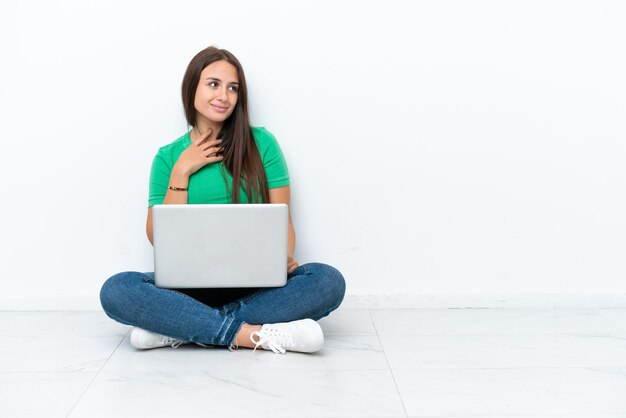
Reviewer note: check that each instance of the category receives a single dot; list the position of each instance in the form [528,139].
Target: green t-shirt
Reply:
[207,184]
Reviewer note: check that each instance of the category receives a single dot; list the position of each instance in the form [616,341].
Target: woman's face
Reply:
[217,92]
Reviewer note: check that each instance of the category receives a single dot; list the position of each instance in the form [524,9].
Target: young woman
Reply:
[222,159]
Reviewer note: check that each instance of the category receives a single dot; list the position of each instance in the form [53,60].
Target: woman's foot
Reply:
[143,339]
[305,336]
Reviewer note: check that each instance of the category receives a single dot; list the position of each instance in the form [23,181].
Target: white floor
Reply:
[376,363]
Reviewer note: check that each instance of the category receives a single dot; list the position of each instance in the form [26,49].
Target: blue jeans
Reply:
[312,291]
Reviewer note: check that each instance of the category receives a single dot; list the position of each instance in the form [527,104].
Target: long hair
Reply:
[241,155]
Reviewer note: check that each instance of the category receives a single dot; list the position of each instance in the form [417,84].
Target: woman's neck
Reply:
[202,127]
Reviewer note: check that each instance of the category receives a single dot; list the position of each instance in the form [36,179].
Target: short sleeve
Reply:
[159,180]
[273,160]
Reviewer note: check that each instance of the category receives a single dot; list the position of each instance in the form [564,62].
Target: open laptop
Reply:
[217,246]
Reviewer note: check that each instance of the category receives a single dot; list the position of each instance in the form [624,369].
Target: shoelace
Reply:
[171,341]
[274,339]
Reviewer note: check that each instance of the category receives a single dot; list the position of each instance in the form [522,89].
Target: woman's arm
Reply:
[177,179]
[283,195]
[200,153]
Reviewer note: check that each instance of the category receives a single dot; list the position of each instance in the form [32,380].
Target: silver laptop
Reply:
[234,245]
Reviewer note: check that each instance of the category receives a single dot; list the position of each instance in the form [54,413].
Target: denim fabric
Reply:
[312,291]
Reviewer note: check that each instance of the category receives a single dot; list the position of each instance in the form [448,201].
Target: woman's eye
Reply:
[234,88]
[213,84]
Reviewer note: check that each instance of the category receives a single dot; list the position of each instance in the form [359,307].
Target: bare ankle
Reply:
[243,336]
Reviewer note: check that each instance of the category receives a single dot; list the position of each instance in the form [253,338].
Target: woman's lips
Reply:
[219,109]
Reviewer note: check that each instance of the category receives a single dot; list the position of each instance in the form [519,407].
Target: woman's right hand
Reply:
[200,153]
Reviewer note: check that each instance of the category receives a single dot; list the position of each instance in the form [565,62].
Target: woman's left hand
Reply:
[292,264]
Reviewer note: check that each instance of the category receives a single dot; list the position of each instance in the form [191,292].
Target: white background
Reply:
[435,147]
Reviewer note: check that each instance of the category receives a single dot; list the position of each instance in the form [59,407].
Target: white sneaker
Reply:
[305,336]
[143,339]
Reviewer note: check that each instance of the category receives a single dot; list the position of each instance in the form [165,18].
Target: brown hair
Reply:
[241,155]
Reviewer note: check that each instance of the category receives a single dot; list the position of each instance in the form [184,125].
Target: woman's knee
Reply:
[116,289]
[331,281]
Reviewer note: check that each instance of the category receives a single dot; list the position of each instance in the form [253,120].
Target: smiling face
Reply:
[217,93]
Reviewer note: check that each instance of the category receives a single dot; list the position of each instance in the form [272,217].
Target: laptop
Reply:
[218,246]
